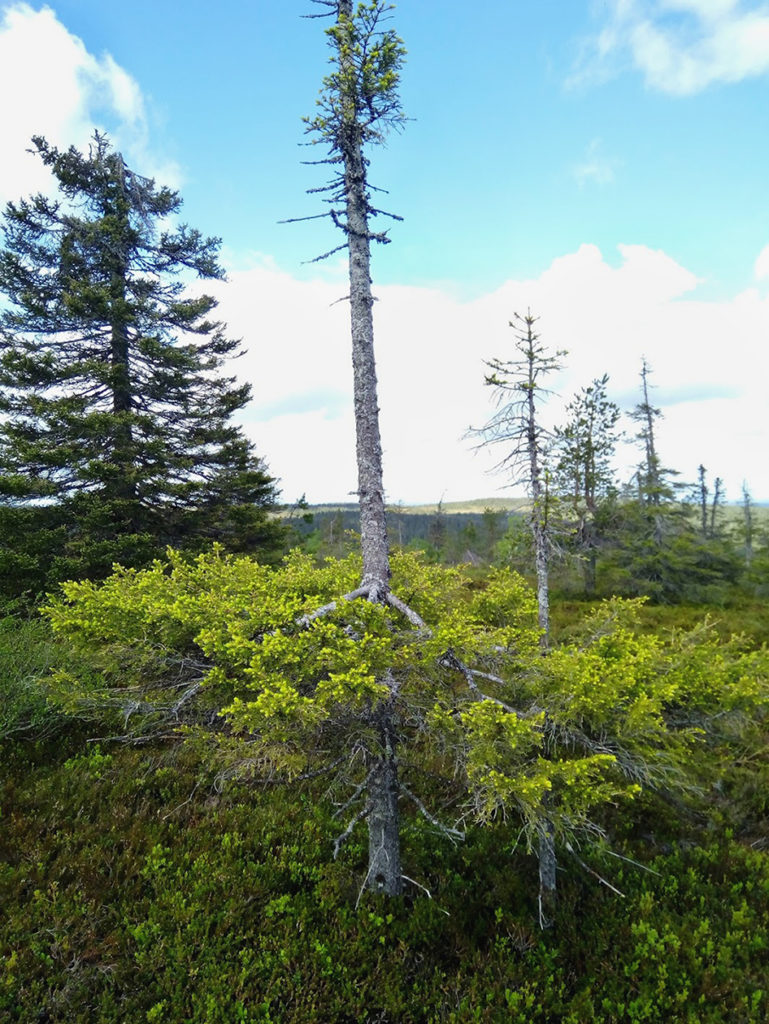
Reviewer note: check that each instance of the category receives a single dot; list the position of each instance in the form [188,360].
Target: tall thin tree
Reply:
[517,428]
[652,486]
[747,513]
[358,104]
[702,495]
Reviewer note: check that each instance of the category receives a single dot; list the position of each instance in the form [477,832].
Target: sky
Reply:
[602,163]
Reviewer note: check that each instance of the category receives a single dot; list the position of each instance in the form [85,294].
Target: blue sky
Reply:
[602,162]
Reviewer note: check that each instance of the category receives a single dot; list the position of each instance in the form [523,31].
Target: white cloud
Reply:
[681,46]
[595,167]
[761,267]
[710,363]
[54,87]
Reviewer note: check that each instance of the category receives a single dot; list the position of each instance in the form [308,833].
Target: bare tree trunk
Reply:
[718,494]
[546,853]
[384,873]
[384,859]
[538,512]
[540,558]
[373,525]
[547,879]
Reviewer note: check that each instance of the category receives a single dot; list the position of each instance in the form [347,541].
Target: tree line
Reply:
[650,536]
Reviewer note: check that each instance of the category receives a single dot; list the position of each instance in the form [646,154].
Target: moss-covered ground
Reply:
[133,892]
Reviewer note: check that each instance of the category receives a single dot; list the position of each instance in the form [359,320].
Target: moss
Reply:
[130,895]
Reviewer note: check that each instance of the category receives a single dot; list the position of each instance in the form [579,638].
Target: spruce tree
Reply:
[117,434]
[584,448]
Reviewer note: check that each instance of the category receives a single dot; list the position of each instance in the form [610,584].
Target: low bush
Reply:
[132,893]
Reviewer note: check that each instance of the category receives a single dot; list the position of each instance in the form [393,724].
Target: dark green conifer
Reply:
[117,434]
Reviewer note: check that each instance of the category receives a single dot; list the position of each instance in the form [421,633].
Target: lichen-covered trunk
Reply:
[546,852]
[547,879]
[384,858]
[373,526]
[384,873]
[540,559]
[538,523]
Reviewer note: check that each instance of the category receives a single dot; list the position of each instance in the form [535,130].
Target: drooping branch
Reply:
[451,833]
[342,838]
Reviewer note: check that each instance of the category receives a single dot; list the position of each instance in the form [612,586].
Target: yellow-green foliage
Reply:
[512,730]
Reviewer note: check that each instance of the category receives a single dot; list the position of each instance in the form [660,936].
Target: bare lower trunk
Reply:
[539,503]
[547,879]
[543,599]
[373,528]
[384,858]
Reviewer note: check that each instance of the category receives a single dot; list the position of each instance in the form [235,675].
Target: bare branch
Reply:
[342,838]
[635,863]
[406,612]
[451,833]
[189,693]
[326,255]
[310,216]
[486,675]
[326,609]
[183,803]
[450,660]
[590,871]
[348,803]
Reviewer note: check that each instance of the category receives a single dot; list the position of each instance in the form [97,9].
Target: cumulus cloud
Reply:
[54,87]
[710,362]
[761,268]
[681,46]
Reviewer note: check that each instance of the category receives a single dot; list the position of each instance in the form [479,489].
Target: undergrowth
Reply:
[134,892]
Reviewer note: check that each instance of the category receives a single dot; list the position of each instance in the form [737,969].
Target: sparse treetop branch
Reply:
[358,105]
[518,390]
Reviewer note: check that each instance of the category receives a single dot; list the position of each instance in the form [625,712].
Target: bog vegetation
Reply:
[352,766]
